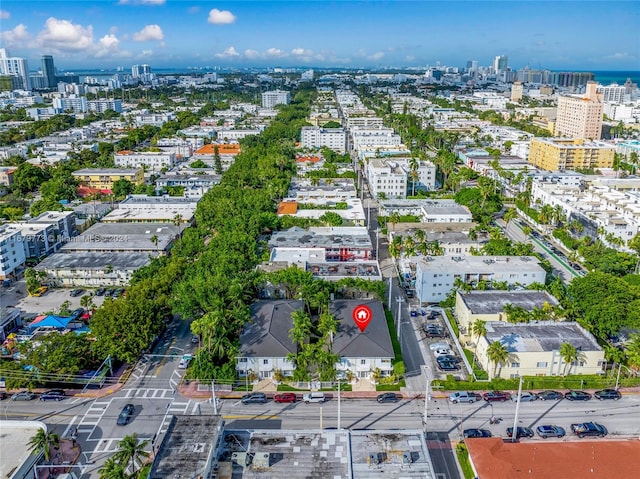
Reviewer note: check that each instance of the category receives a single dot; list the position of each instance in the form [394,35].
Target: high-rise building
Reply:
[15,67]
[49,71]
[580,116]
[139,70]
[612,93]
[276,97]
[517,90]
[500,63]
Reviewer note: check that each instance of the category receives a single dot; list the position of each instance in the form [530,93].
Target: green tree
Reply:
[42,442]
[131,452]
[27,178]
[479,329]
[112,469]
[216,160]
[497,354]
[569,354]
[331,219]
[301,329]
[633,351]
[122,188]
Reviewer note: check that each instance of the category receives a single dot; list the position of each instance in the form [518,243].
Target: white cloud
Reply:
[301,52]
[142,2]
[194,9]
[17,37]
[620,56]
[146,53]
[376,56]
[274,53]
[62,35]
[221,17]
[149,33]
[252,54]
[4,15]
[108,46]
[228,53]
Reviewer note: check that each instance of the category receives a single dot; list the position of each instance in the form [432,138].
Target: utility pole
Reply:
[427,396]
[339,405]
[514,436]
[399,300]
[389,303]
[213,397]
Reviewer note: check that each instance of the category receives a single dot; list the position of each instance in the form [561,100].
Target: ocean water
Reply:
[607,77]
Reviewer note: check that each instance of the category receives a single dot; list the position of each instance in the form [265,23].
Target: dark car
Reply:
[3,395]
[450,358]
[550,395]
[447,366]
[432,315]
[608,394]
[525,397]
[520,432]
[125,415]
[254,398]
[432,331]
[285,397]
[388,397]
[473,433]
[550,431]
[589,429]
[76,292]
[496,396]
[53,395]
[414,313]
[100,291]
[23,396]
[577,396]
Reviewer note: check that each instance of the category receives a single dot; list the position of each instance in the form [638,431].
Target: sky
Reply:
[586,35]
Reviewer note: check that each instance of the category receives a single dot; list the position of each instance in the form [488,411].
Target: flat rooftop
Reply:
[493,302]
[188,448]
[97,261]
[106,171]
[326,454]
[480,264]
[338,237]
[124,237]
[541,336]
[18,434]
[176,201]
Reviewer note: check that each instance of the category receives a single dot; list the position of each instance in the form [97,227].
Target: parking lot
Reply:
[16,296]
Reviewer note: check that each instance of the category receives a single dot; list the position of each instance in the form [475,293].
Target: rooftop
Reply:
[106,171]
[541,336]
[124,237]
[18,434]
[493,302]
[349,342]
[97,261]
[494,458]
[480,264]
[267,335]
[330,237]
[223,149]
[187,450]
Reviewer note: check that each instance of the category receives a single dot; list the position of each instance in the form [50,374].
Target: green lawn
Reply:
[480,373]
[463,459]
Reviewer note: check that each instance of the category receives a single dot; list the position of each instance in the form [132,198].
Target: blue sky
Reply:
[587,35]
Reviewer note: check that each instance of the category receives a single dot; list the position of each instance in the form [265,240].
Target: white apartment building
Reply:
[316,137]
[373,137]
[101,106]
[75,104]
[612,93]
[139,159]
[153,119]
[429,211]
[359,120]
[15,66]
[387,179]
[426,171]
[580,116]
[12,252]
[235,135]
[435,276]
[276,97]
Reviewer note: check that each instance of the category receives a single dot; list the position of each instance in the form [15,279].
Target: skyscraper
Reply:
[580,116]
[49,71]
[15,67]
[500,63]
[138,71]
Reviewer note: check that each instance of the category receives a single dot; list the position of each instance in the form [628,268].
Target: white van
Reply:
[314,397]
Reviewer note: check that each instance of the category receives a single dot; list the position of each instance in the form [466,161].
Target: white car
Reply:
[439,345]
[184,362]
[314,397]
[443,352]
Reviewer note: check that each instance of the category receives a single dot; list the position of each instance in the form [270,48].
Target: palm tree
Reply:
[394,219]
[131,452]
[154,240]
[413,174]
[633,351]
[545,215]
[497,354]
[478,328]
[511,214]
[301,329]
[42,442]
[569,354]
[112,469]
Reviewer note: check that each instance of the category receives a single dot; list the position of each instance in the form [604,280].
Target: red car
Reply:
[285,397]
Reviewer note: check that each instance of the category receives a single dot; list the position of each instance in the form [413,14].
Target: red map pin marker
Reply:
[362,316]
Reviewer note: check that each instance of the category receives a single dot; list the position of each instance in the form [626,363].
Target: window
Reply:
[265,361]
[542,364]
[242,360]
[363,362]
[582,363]
[515,365]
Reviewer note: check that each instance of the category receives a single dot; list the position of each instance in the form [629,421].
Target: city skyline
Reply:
[350,34]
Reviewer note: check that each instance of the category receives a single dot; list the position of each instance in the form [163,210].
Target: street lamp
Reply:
[620,366]
[427,394]
[399,300]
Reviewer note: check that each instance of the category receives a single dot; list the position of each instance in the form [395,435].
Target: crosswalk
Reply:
[149,393]
[92,417]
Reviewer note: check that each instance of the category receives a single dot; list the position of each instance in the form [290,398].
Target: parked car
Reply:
[550,395]
[184,361]
[76,292]
[53,395]
[589,429]
[40,291]
[525,397]
[608,394]
[125,415]
[195,339]
[447,366]
[439,345]
[285,397]
[550,431]
[473,433]
[449,357]
[414,313]
[251,398]
[388,397]
[432,315]
[496,396]
[23,396]
[442,352]
[520,432]
[463,396]
[100,291]
[3,395]
[314,397]
[577,396]
[433,331]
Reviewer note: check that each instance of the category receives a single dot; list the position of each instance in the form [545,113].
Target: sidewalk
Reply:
[66,455]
